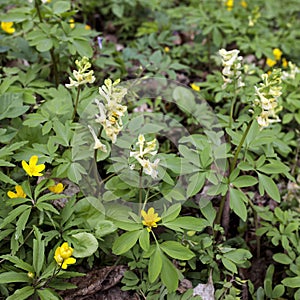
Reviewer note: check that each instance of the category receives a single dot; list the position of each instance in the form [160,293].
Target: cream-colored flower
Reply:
[98,144]
[82,75]
[111,111]
[231,62]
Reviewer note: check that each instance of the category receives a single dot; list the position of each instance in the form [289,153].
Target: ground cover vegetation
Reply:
[149,149]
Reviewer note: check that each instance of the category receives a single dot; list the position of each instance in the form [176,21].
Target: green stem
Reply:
[256,227]
[232,108]
[140,190]
[76,104]
[232,166]
[54,64]
[239,148]
[37,7]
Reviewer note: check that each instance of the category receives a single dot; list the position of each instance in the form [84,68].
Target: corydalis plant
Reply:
[82,74]
[267,98]
[143,153]
[110,110]
[232,65]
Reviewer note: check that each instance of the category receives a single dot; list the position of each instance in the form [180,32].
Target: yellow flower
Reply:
[19,193]
[284,63]
[270,62]
[8,27]
[230,4]
[72,23]
[244,3]
[167,49]
[63,256]
[56,189]
[32,169]
[87,27]
[150,218]
[195,87]
[277,53]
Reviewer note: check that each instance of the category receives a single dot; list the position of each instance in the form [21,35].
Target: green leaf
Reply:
[155,264]
[169,275]
[22,293]
[237,203]
[244,181]
[83,47]
[38,252]
[14,214]
[44,45]
[4,178]
[208,211]
[21,223]
[282,258]
[60,7]
[278,291]
[125,242]
[269,186]
[12,105]
[19,263]
[144,240]
[229,265]
[176,250]
[47,294]
[75,172]
[9,277]
[104,227]
[293,282]
[188,223]
[274,167]
[185,99]
[171,213]
[85,244]
[196,183]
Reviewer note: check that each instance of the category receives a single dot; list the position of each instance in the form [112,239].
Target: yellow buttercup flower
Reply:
[72,23]
[8,27]
[87,27]
[32,169]
[167,49]
[270,62]
[284,63]
[150,218]
[195,87]
[18,194]
[63,256]
[244,4]
[277,53]
[229,4]
[56,189]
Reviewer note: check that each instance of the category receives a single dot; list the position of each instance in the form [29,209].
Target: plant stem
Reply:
[140,190]
[232,166]
[239,148]
[76,104]
[55,71]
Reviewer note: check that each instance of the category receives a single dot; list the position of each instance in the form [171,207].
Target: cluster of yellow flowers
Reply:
[230,4]
[111,111]
[82,75]
[267,98]
[277,55]
[63,256]
[149,168]
[232,65]
[150,218]
[33,169]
